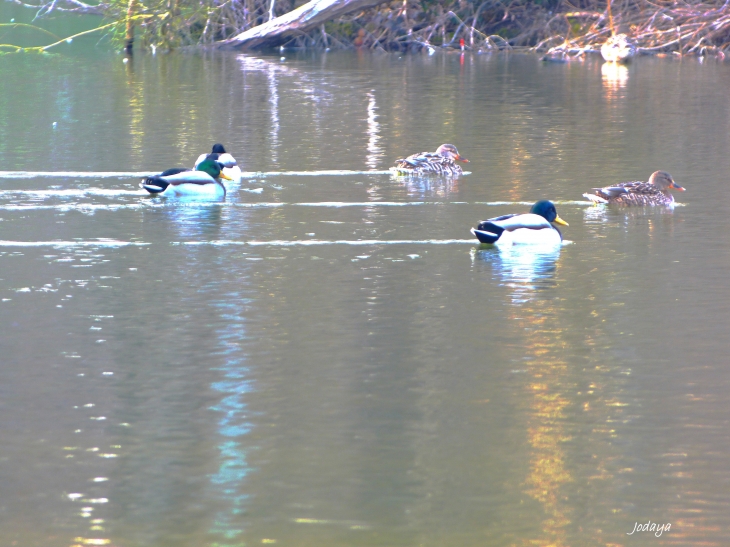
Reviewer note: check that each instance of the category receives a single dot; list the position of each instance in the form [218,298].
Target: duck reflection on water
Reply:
[523,269]
[428,186]
[614,76]
[191,220]
[527,275]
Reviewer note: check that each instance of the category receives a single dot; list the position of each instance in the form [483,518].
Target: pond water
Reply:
[326,357]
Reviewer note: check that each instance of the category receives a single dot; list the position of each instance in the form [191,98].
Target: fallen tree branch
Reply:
[299,21]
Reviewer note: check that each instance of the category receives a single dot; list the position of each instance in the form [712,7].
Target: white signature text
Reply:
[650,526]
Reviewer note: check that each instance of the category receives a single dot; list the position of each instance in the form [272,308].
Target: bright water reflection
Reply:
[529,274]
[326,356]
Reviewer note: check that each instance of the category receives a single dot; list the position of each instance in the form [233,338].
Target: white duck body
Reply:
[618,49]
[202,183]
[229,163]
[226,160]
[527,229]
[234,174]
[533,228]
[193,184]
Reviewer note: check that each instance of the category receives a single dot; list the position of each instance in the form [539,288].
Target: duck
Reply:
[204,181]
[557,54]
[219,154]
[655,191]
[618,49]
[440,162]
[533,228]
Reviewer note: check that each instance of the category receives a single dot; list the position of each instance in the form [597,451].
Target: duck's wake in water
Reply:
[142,174]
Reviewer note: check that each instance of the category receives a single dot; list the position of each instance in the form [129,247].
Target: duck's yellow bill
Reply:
[561,221]
[224,176]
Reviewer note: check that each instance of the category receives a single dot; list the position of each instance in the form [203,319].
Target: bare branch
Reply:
[298,21]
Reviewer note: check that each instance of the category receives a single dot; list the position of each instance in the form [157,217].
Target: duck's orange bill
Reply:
[561,221]
[677,187]
[224,176]
[462,159]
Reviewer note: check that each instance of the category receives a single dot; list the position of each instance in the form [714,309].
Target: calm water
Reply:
[328,359]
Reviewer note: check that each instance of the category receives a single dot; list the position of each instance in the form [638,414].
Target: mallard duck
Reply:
[534,228]
[440,162]
[202,182]
[653,192]
[230,166]
[618,49]
[556,54]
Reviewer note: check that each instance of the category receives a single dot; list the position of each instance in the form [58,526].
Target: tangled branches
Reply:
[575,26]
[165,24]
[680,26]
[170,24]
[62,6]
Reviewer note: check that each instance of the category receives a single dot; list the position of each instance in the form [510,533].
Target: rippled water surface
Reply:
[326,357]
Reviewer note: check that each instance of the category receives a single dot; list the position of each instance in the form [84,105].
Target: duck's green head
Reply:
[547,210]
[213,168]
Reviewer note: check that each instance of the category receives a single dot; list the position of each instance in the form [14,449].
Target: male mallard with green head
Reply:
[204,181]
[533,228]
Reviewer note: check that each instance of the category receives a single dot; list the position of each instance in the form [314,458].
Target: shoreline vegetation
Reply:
[677,27]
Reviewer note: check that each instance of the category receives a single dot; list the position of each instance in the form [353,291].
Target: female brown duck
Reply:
[440,162]
[653,192]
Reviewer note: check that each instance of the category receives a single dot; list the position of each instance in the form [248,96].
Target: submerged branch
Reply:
[67,6]
[33,27]
[70,38]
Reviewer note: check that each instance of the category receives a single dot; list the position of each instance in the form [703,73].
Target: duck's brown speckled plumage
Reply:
[655,191]
[440,162]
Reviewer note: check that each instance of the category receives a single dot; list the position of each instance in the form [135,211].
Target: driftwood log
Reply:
[297,22]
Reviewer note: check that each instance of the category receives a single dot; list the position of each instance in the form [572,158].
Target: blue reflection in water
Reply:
[193,219]
[228,482]
[521,268]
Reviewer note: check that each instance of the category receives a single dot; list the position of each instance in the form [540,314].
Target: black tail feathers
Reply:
[154,184]
[487,232]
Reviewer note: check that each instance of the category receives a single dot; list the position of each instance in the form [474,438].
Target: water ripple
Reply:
[58,244]
[315,242]
[127,174]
